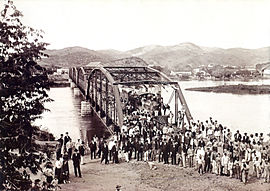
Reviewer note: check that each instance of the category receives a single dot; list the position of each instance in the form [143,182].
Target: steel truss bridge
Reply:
[102,86]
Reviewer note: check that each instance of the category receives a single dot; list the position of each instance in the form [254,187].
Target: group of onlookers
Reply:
[56,170]
[149,133]
[206,146]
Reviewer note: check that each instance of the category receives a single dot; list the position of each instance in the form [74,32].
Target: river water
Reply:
[247,113]
[65,116]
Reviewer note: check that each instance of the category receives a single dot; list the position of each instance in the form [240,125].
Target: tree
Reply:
[23,85]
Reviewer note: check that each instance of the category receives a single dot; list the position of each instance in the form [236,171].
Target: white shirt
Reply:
[124,128]
[224,160]
[210,131]
[58,164]
[69,145]
[77,145]
[110,145]
[200,152]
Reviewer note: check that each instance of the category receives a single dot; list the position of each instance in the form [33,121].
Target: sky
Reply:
[128,24]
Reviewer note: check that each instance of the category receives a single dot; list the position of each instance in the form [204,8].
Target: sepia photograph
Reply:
[135,95]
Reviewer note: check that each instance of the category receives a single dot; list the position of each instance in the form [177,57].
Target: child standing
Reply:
[200,164]
[230,167]
[237,169]
[257,167]
[214,164]
[218,162]
[244,171]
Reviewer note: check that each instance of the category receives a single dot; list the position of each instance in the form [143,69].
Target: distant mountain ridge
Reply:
[73,56]
[174,57]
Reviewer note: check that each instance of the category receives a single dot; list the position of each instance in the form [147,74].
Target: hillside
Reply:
[74,56]
[176,57]
[114,53]
[181,55]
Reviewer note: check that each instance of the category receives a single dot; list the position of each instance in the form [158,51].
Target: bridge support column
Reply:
[72,85]
[77,92]
[85,108]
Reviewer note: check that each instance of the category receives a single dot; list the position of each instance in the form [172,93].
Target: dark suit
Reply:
[174,151]
[237,137]
[105,153]
[166,150]
[66,139]
[76,158]
[93,148]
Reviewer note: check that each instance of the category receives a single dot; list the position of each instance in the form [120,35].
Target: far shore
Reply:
[235,89]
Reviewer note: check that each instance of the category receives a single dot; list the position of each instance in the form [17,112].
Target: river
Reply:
[247,113]
[65,116]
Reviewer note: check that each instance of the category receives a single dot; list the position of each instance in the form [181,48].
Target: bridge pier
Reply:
[77,92]
[85,108]
[72,85]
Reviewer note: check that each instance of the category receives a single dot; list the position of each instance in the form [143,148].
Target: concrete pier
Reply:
[85,108]
[77,92]
[72,85]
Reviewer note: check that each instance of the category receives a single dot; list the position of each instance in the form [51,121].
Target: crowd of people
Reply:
[56,169]
[208,146]
[150,133]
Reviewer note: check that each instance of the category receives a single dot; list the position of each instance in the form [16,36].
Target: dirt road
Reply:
[137,176]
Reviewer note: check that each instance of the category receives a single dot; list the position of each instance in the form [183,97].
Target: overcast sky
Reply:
[127,24]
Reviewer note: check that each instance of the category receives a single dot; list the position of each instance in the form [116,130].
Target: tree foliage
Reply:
[23,85]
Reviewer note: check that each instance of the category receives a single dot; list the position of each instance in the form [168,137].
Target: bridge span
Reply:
[108,88]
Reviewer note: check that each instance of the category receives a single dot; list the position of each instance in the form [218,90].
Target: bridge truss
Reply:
[103,87]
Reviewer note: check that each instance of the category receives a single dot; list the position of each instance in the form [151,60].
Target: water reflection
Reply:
[65,116]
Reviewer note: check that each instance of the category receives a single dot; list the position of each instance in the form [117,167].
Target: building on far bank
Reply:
[181,74]
[60,71]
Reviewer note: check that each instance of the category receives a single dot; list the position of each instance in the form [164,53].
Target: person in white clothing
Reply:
[78,144]
[224,163]
[58,166]
[110,146]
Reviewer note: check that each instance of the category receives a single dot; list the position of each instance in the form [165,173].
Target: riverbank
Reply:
[135,175]
[235,89]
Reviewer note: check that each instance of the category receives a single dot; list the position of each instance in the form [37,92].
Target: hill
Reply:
[114,53]
[179,56]
[74,56]
[176,57]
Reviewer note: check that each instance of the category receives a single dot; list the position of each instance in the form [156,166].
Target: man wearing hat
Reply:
[76,158]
